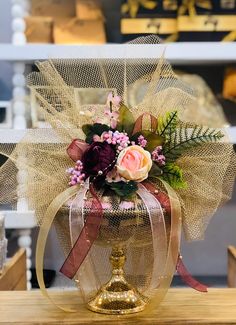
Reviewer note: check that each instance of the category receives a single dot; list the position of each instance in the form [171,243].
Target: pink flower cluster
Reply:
[142,141]
[158,157]
[77,176]
[113,102]
[120,139]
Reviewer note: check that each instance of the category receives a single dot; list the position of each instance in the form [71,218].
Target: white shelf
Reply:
[19,220]
[15,136]
[176,53]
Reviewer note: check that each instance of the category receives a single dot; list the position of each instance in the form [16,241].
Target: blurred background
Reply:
[200,40]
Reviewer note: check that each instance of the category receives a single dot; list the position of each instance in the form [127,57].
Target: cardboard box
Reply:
[88,9]
[39,29]
[74,31]
[53,8]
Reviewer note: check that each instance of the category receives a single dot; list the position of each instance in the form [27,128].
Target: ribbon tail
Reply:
[188,278]
[87,236]
[42,239]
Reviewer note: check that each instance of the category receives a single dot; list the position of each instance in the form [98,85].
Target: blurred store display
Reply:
[65,22]
[141,17]
[98,21]
[186,20]
[207,20]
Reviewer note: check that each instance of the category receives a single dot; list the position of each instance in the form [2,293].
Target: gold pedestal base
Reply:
[117,296]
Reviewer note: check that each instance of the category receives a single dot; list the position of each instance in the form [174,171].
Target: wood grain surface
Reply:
[14,273]
[181,306]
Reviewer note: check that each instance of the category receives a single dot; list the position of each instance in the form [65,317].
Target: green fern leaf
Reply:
[173,175]
[184,139]
[167,125]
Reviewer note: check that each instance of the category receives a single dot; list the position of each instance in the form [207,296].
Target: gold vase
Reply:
[119,228]
[117,296]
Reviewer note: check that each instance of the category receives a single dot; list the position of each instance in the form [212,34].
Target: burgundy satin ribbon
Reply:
[76,149]
[139,122]
[188,278]
[86,238]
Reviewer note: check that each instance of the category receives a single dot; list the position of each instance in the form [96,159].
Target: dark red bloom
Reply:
[99,157]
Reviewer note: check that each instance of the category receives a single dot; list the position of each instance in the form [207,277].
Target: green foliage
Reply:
[173,175]
[184,139]
[155,171]
[91,129]
[126,120]
[153,139]
[167,124]
[126,189]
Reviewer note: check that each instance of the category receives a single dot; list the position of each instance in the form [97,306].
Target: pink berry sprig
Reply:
[119,139]
[76,174]
[158,156]
[142,141]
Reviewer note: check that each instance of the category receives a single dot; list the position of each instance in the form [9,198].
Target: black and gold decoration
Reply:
[142,17]
[180,20]
[207,20]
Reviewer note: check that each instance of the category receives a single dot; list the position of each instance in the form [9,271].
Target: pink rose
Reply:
[134,163]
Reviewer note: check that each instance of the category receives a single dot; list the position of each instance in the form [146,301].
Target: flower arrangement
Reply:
[119,153]
[138,174]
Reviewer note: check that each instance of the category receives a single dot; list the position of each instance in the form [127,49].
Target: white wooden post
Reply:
[21,8]
[18,11]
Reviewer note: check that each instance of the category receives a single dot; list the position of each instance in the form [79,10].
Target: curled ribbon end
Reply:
[188,278]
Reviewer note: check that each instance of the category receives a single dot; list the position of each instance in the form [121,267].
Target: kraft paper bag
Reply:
[88,9]
[39,29]
[54,8]
[74,31]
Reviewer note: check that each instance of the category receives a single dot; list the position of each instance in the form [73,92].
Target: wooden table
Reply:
[181,306]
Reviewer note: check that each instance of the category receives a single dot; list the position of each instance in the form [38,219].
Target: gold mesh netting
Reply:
[67,93]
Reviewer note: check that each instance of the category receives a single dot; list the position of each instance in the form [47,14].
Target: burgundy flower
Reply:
[99,157]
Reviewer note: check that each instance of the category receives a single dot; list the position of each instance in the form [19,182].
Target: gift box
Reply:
[132,8]
[143,19]
[210,6]
[88,9]
[39,29]
[206,21]
[224,6]
[54,8]
[207,28]
[75,31]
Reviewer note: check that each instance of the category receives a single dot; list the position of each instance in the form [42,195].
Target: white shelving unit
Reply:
[186,53]
[177,53]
